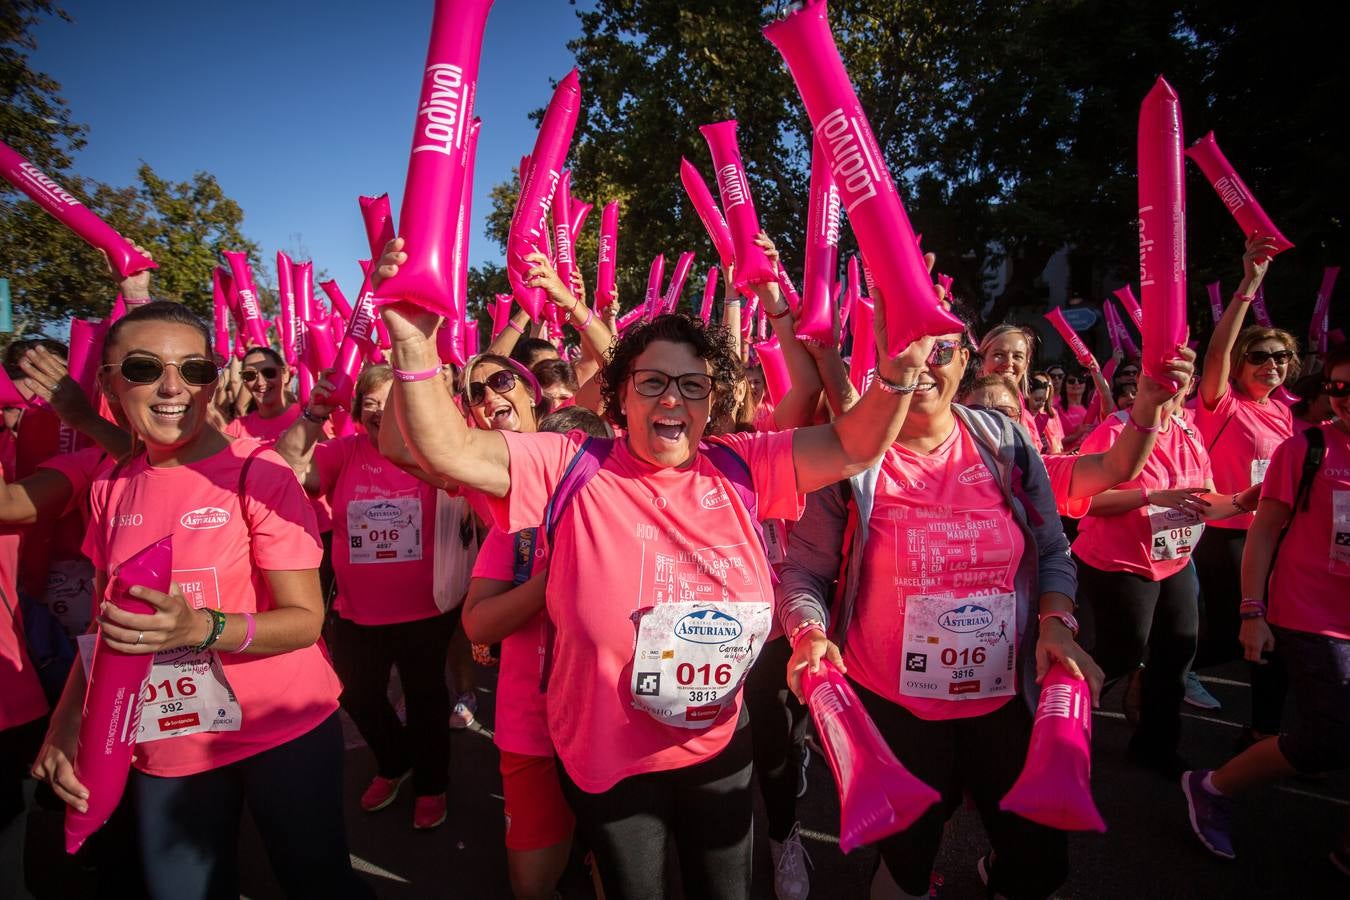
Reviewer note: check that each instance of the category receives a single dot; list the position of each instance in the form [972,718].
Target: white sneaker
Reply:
[790,878]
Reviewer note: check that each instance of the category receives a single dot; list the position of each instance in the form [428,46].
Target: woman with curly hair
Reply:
[659,587]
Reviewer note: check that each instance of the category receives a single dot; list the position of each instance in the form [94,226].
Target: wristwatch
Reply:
[1066,617]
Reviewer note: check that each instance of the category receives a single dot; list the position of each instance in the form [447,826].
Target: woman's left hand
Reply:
[542,275]
[1057,645]
[173,624]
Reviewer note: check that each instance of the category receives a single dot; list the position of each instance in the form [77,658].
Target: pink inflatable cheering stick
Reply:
[471,338]
[1251,218]
[709,294]
[242,274]
[112,702]
[788,290]
[864,355]
[529,226]
[358,343]
[337,299]
[379,222]
[865,187]
[320,351]
[220,308]
[877,795]
[636,314]
[562,229]
[822,252]
[1321,317]
[86,353]
[459,258]
[1259,308]
[1112,326]
[9,394]
[945,282]
[286,297]
[62,206]
[1215,300]
[302,278]
[501,313]
[1055,787]
[677,279]
[1126,296]
[651,302]
[1162,230]
[608,255]
[580,210]
[852,289]
[752,266]
[1080,350]
[777,382]
[708,213]
[437,160]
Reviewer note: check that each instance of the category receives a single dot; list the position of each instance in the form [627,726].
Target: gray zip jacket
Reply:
[815,546]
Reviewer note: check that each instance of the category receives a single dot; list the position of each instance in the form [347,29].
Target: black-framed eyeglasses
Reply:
[654,383]
[1261,357]
[501,382]
[268,372]
[943,351]
[149,369]
[1337,389]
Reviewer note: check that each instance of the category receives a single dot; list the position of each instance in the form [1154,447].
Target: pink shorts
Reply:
[537,816]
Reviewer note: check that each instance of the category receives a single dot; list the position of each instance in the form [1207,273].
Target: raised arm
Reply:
[732,306]
[595,337]
[296,445]
[504,343]
[49,378]
[43,494]
[1214,379]
[798,406]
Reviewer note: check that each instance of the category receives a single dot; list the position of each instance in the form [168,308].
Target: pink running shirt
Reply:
[1240,435]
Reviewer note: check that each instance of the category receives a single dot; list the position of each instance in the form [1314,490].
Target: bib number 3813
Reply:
[691,658]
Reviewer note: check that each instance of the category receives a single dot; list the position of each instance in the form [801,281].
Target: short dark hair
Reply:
[158,311]
[526,349]
[709,342]
[555,371]
[268,352]
[1339,356]
[575,418]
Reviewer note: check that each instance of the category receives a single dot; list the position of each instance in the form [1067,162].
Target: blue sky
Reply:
[296,106]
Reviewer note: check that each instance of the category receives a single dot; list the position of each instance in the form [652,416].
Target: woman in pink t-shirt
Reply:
[1242,423]
[246,612]
[1007,350]
[384,526]
[658,584]
[265,375]
[1296,600]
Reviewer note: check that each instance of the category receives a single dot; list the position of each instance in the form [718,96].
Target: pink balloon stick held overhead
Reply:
[752,266]
[437,160]
[877,795]
[302,278]
[1055,787]
[1233,191]
[864,357]
[822,252]
[608,255]
[1162,230]
[112,702]
[501,313]
[677,280]
[62,206]
[1080,350]
[866,190]
[1215,300]
[220,307]
[471,338]
[337,299]
[379,222]
[242,274]
[86,352]
[651,304]
[1321,317]
[788,290]
[1126,296]
[529,226]
[777,381]
[286,298]
[709,294]
[358,342]
[562,229]
[320,349]
[580,210]
[1259,308]
[453,324]
[849,294]
[636,314]
[708,213]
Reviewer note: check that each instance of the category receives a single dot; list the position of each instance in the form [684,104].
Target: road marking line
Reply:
[1313,794]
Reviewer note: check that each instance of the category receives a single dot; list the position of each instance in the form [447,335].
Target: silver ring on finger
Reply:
[140,636]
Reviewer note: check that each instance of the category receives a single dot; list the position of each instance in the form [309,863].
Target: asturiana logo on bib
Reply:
[205,517]
[976,474]
[965,619]
[708,626]
[384,512]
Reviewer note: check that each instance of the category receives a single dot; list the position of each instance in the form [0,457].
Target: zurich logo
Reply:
[384,512]
[708,626]
[965,619]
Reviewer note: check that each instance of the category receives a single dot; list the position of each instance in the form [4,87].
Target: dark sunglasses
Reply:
[268,372]
[1337,389]
[1055,373]
[501,382]
[1074,379]
[653,383]
[943,351]
[1259,357]
[1039,385]
[148,370]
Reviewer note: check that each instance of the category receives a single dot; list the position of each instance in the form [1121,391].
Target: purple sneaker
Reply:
[1209,814]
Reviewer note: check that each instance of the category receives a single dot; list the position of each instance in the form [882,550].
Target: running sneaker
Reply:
[802,766]
[429,812]
[1197,695]
[462,716]
[382,792]
[1209,814]
[790,878]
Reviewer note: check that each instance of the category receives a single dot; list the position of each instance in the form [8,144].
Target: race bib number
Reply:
[384,531]
[1259,467]
[960,647]
[1340,531]
[186,693]
[691,658]
[70,592]
[1175,532]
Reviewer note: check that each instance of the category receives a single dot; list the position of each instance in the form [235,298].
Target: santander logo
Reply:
[205,517]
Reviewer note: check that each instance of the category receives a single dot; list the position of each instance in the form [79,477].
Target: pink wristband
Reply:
[590,314]
[248,635]
[514,327]
[417,376]
[1137,427]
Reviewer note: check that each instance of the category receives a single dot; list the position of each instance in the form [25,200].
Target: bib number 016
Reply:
[169,690]
[965,657]
[687,674]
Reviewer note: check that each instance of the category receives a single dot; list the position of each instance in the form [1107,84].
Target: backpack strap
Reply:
[241,488]
[588,459]
[522,562]
[737,471]
[1312,461]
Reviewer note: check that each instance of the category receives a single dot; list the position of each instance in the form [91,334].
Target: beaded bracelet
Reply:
[803,627]
[217,626]
[310,417]
[891,387]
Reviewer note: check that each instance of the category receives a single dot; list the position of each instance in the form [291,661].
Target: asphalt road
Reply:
[1283,832]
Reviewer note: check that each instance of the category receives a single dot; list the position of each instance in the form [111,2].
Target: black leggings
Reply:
[363,656]
[778,725]
[706,809]
[1218,562]
[1133,615]
[982,755]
